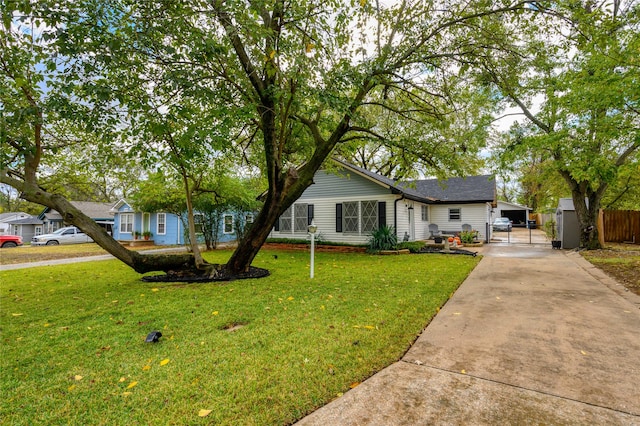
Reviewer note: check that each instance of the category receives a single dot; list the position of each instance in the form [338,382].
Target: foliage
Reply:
[280,85]
[468,237]
[551,230]
[412,246]
[383,238]
[84,358]
[584,68]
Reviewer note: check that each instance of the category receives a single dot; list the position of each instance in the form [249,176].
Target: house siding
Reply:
[341,184]
[475,215]
[330,189]
[174,228]
[346,185]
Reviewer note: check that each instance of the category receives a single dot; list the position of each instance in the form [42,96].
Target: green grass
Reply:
[303,342]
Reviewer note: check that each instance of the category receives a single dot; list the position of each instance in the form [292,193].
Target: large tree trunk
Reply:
[139,262]
[289,187]
[586,202]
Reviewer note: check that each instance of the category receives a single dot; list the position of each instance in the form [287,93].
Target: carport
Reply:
[516,213]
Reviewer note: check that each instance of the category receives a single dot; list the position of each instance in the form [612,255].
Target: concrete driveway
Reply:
[533,336]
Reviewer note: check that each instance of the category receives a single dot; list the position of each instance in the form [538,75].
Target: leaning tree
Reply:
[287,82]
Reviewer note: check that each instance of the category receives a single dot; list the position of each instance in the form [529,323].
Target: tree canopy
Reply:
[584,68]
[278,84]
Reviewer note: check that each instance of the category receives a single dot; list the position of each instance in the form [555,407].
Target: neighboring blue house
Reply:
[166,228]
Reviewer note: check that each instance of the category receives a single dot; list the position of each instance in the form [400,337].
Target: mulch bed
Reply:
[221,275]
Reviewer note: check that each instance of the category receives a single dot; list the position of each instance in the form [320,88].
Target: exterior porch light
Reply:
[312,231]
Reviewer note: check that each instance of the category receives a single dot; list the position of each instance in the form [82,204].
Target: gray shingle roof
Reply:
[26,221]
[459,190]
[470,189]
[93,210]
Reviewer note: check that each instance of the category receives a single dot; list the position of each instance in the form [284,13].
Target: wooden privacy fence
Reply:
[620,226]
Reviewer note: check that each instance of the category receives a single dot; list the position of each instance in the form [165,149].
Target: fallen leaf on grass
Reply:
[126,393]
[70,388]
[146,368]
[164,361]
[17,315]
[354,385]
[77,377]
[155,289]
[583,352]
[132,384]
[122,379]
[204,413]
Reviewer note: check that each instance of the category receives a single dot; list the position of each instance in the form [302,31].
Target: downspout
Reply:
[395,214]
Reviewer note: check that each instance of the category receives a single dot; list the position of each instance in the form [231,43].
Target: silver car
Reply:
[69,235]
[502,224]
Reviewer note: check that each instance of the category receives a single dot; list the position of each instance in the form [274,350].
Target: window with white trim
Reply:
[359,217]
[248,218]
[368,216]
[350,217]
[285,221]
[300,217]
[425,213]
[161,228]
[198,218]
[126,223]
[455,214]
[228,224]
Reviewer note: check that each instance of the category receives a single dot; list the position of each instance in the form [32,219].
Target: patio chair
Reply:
[434,231]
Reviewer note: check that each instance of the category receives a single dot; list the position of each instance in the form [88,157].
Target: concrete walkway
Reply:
[533,336]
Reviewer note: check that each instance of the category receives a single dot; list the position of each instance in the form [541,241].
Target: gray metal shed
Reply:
[567,223]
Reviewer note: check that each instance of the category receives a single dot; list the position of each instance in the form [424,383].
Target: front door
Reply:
[146,222]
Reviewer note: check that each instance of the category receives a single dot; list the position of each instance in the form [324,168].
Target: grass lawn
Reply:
[28,253]
[620,261]
[254,352]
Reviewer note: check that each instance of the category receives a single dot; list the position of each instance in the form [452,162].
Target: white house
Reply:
[348,202]
[20,223]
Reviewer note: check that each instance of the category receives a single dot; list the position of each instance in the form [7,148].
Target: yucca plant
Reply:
[383,238]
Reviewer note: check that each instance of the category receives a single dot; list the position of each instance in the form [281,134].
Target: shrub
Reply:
[467,237]
[383,238]
[413,246]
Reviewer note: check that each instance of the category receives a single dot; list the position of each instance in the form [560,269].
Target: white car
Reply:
[69,235]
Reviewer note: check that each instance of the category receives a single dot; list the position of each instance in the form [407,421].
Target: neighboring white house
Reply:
[348,202]
[20,223]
